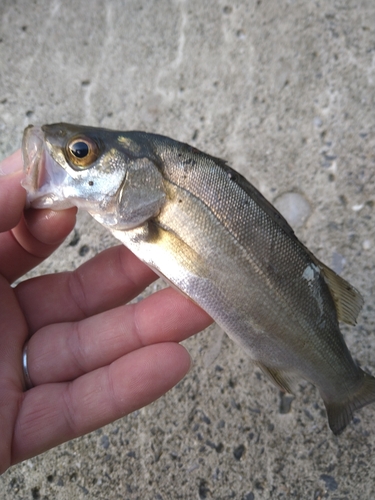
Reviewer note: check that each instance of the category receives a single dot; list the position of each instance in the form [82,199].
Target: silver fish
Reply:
[211,234]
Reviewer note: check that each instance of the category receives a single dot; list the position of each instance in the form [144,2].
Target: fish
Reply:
[212,235]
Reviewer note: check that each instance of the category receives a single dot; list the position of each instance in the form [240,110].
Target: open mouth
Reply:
[44,179]
[33,152]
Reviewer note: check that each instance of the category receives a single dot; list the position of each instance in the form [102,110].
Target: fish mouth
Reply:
[33,153]
[44,177]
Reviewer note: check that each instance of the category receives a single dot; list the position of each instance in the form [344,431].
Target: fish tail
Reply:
[341,413]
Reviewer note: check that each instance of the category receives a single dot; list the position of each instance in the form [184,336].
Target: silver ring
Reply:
[25,368]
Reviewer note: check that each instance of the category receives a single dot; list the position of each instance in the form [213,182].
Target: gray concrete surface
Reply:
[285,91]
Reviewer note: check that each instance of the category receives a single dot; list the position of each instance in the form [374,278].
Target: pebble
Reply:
[366,245]
[318,122]
[294,207]
[357,208]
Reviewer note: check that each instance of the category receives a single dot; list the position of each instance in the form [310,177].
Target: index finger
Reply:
[12,194]
[26,237]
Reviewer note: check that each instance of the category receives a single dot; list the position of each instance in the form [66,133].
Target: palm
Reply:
[91,358]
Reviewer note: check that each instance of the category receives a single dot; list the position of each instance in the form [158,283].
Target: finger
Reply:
[26,240]
[54,413]
[36,236]
[13,333]
[12,163]
[111,278]
[12,200]
[64,351]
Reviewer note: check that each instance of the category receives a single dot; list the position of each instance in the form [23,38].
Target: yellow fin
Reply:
[348,300]
[280,378]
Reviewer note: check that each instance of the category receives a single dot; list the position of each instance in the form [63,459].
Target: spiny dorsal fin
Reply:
[348,300]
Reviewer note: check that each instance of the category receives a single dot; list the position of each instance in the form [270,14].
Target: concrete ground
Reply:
[285,91]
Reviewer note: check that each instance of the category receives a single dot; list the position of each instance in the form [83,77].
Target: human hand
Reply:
[91,358]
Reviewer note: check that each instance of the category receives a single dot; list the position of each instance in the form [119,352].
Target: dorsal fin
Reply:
[348,300]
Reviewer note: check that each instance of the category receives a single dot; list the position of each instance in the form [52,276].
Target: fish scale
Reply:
[213,236]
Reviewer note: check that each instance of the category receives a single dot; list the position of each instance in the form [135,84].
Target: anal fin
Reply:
[280,378]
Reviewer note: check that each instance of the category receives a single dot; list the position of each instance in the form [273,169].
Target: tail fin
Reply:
[340,414]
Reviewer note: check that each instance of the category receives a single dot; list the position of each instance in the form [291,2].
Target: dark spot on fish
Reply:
[24,28]
[154,232]
[91,183]
[85,83]
[195,135]
[239,451]
[29,113]
[180,201]
[232,176]
[190,161]
[83,250]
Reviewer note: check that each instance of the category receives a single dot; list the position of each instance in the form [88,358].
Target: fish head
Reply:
[102,171]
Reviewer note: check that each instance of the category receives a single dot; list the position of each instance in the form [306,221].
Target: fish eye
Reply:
[82,152]
[79,149]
